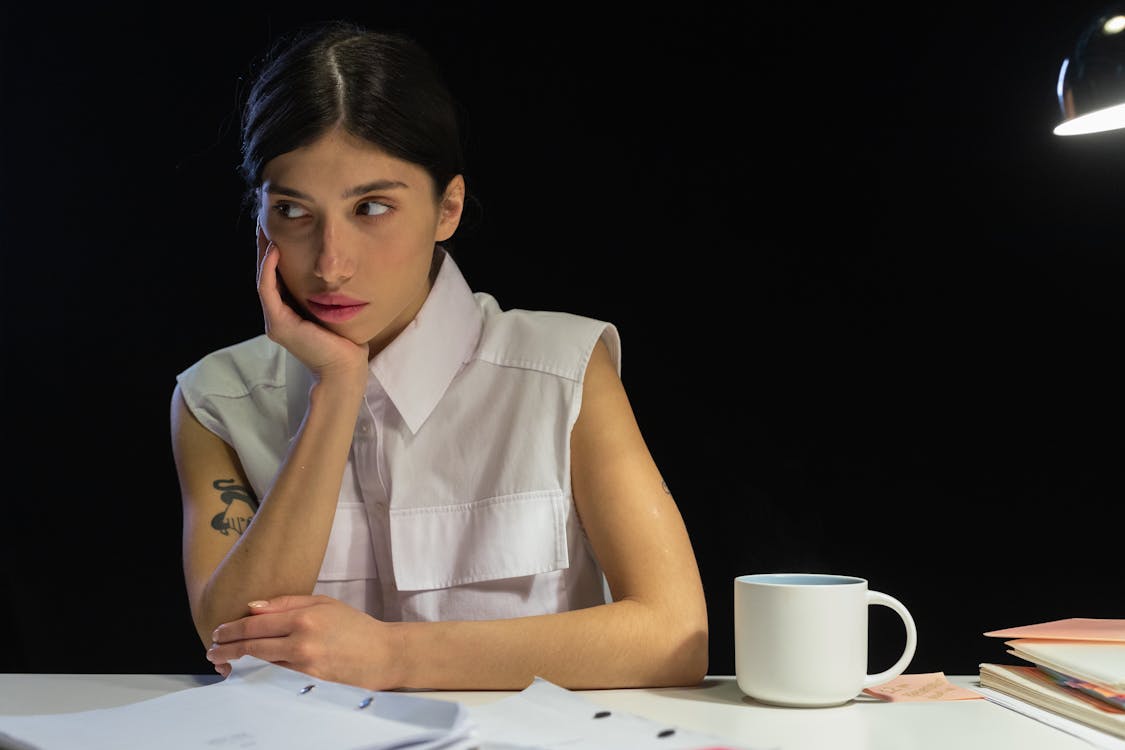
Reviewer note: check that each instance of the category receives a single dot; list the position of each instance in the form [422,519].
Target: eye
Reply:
[372,208]
[290,210]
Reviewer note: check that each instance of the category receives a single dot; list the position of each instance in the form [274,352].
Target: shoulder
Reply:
[239,394]
[555,342]
[237,370]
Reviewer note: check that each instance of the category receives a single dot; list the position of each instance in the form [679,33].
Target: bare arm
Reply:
[281,551]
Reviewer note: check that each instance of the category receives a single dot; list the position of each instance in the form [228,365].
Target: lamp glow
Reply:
[1097,121]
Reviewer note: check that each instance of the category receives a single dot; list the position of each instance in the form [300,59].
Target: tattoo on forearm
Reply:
[240,507]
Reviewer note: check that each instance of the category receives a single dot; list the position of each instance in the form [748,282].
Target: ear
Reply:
[450,208]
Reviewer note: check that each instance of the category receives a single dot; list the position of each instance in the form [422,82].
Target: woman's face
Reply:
[356,229]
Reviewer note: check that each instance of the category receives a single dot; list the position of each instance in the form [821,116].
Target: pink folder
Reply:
[1072,628]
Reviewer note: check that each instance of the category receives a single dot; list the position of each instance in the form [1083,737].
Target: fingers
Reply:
[267,265]
[274,308]
[266,649]
[248,627]
[263,243]
[262,637]
[257,626]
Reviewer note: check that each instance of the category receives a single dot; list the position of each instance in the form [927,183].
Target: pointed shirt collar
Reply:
[416,368]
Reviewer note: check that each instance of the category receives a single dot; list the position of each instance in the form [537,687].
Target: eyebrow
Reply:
[352,192]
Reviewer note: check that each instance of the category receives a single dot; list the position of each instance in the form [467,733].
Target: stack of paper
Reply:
[258,705]
[1078,672]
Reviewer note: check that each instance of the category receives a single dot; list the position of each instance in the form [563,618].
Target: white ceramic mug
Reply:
[800,639]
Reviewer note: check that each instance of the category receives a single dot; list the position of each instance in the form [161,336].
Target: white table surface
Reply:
[716,706]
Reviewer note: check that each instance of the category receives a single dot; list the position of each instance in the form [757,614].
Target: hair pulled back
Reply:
[379,86]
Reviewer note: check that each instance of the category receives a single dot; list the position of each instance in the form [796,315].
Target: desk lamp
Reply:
[1091,85]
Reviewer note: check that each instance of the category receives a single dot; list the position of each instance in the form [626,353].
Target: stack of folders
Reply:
[1076,668]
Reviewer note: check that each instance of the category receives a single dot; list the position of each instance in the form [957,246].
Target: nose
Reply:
[336,261]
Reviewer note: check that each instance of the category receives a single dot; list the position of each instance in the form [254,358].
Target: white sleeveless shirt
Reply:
[456,500]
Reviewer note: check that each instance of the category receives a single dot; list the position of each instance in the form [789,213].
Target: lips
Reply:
[334,308]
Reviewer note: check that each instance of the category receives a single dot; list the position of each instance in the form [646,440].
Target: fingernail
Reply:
[214,637]
[258,604]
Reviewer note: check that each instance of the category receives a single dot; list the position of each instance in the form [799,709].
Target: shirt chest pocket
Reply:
[501,537]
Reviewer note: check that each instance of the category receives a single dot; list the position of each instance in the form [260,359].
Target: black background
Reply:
[870,305]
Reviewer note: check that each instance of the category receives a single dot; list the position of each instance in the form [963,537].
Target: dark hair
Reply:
[379,86]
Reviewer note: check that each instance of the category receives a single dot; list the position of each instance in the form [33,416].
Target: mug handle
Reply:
[878,597]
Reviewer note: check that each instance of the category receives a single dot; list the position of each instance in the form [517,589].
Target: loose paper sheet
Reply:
[922,687]
[545,716]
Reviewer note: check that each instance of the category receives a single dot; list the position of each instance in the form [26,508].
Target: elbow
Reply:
[686,654]
[205,624]
[205,615]
[691,658]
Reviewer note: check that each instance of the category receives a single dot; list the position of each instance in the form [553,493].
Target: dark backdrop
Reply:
[869,304]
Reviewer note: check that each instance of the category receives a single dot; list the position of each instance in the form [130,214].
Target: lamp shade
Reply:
[1091,87]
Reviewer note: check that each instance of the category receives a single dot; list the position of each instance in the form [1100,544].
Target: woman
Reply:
[400,484]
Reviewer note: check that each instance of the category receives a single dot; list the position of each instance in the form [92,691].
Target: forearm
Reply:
[282,549]
[623,644]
